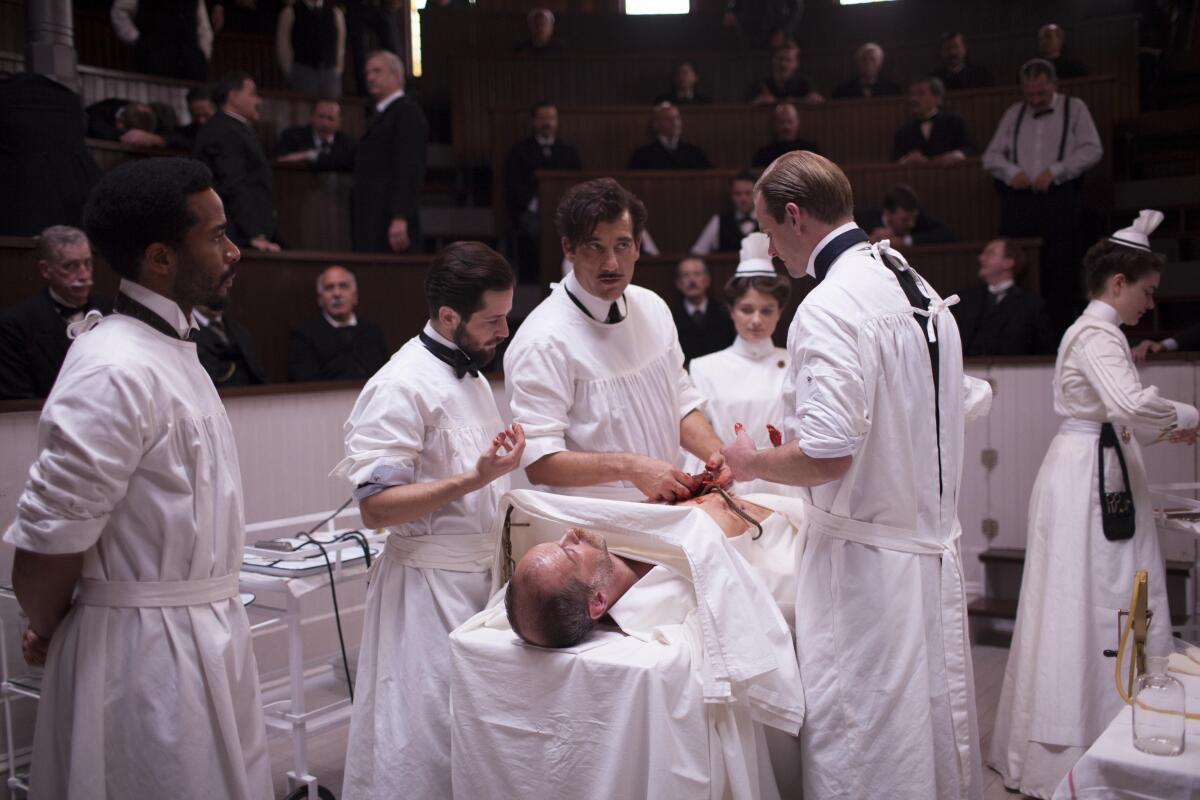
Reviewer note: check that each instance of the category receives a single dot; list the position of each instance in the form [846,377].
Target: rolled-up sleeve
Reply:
[831,418]
[94,429]
[541,394]
[384,437]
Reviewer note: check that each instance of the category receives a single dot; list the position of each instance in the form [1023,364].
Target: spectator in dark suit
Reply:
[725,231]
[683,88]
[172,38]
[241,172]
[46,170]
[786,122]
[320,142]
[1051,39]
[1187,340]
[389,164]
[668,150]
[902,221]
[201,108]
[541,39]
[867,82]
[704,327]
[131,123]
[226,348]
[336,346]
[542,149]
[785,83]
[933,135]
[33,334]
[956,72]
[1000,318]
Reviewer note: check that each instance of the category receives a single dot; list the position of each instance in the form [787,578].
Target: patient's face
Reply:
[579,554]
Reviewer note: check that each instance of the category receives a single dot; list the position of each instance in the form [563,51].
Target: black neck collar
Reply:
[834,248]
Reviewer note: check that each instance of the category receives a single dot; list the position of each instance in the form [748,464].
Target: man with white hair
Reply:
[33,334]
[867,82]
[389,164]
[541,39]
[336,346]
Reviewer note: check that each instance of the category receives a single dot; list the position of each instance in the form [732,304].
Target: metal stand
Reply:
[25,687]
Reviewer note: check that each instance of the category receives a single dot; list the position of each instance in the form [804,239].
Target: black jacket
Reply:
[526,157]
[1016,326]
[102,124]
[655,156]
[796,87]
[714,332]
[971,76]
[927,230]
[33,344]
[389,166]
[672,97]
[764,155]
[339,157]
[317,351]
[949,133]
[46,170]
[854,88]
[233,361]
[241,175]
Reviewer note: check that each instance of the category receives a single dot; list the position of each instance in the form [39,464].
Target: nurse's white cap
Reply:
[1137,235]
[755,260]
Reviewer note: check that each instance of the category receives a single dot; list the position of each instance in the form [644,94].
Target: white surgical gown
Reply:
[744,383]
[138,470]
[1058,694]
[413,423]
[578,384]
[880,623]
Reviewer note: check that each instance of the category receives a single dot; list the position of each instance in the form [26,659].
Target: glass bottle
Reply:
[1158,711]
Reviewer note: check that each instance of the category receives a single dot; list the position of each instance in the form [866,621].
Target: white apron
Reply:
[415,422]
[151,687]
[1059,693]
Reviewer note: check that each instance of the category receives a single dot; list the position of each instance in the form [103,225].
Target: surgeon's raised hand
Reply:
[503,454]
[661,482]
[739,456]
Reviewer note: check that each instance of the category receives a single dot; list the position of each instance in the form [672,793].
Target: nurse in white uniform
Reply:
[876,401]
[429,458]
[744,382]
[1058,693]
[129,533]
[595,375]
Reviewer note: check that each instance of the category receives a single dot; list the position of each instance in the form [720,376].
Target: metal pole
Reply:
[50,41]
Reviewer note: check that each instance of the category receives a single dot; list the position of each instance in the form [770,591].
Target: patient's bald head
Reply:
[560,589]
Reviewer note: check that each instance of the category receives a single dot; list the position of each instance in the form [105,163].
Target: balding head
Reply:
[384,73]
[337,293]
[667,121]
[868,60]
[1051,38]
[560,589]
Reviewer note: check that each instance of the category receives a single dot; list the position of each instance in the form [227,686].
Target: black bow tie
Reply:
[1042,113]
[459,361]
[838,245]
[66,312]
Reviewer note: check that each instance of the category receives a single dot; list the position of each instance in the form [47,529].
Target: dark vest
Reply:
[729,233]
[314,35]
[168,20]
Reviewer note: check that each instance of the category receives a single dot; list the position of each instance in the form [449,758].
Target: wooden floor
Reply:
[327,751]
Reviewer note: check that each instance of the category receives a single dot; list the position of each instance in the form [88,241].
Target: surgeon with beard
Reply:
[428,457]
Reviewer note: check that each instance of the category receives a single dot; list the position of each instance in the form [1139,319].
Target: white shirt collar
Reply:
[670,144]
[236,116]
[596,307]
[692,308]
[382,105]
[333,323]
[166,308]
[199,320]
[829,237]
[1103,311]
[546,142]
[1001,287]
[755,351]
[432,333]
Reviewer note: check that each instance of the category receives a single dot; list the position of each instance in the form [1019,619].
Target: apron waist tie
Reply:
[462,552]
[157,594]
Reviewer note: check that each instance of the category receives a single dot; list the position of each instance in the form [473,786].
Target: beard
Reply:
[479,353]
[194,286]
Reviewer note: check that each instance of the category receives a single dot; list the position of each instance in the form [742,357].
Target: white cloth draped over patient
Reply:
[748,656]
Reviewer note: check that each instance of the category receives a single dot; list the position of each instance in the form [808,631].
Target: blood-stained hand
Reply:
[740,455]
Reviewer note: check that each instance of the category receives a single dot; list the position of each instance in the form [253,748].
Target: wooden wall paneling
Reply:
[313,208]
[12,25]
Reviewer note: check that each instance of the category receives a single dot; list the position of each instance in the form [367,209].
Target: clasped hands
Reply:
[1039,185]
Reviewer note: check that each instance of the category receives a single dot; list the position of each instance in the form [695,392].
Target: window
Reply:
[657,6]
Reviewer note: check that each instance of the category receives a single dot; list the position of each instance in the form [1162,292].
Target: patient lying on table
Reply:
[560,591]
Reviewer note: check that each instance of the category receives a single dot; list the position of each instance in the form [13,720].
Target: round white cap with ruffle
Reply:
[1137,235]
[755,258]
